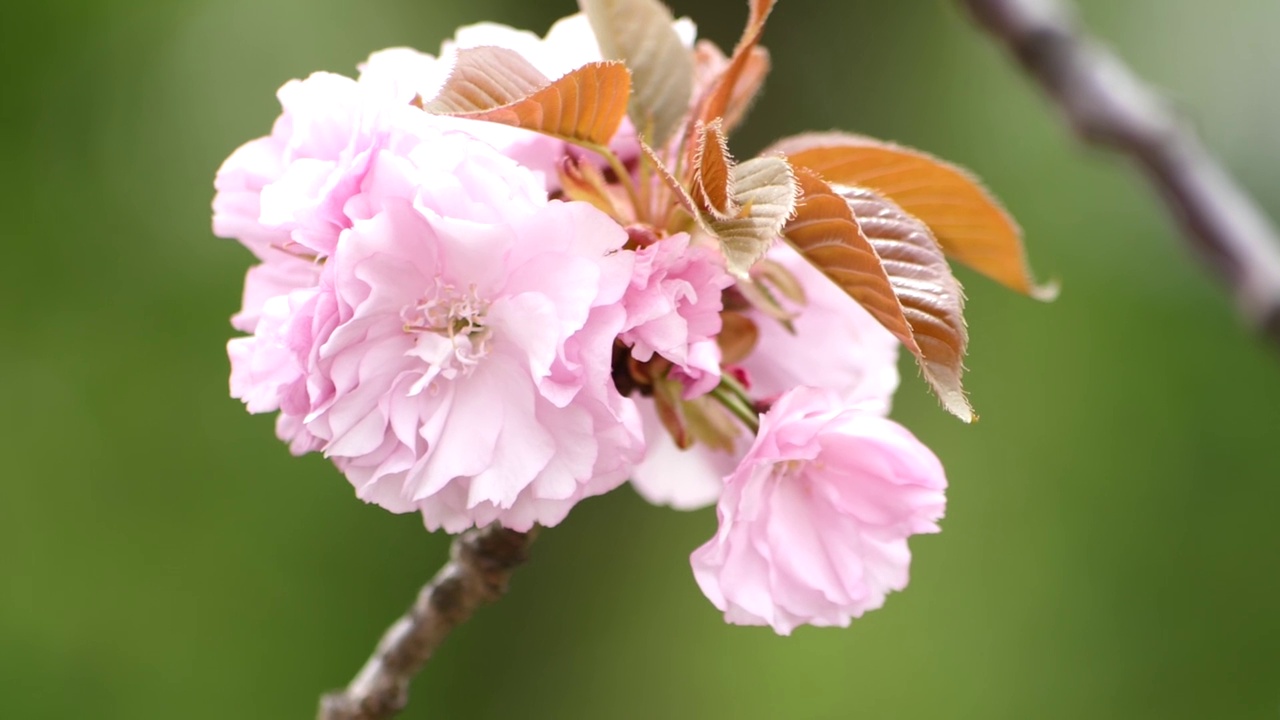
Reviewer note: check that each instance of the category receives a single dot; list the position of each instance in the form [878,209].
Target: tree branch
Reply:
[480,565]
[1107,105]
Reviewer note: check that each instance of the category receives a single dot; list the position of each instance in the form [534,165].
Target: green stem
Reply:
[738,390]
[731,395]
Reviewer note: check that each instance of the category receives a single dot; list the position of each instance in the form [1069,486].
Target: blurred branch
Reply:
[480,565]
[1107,105]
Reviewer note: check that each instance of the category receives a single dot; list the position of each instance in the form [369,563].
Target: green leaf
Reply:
[765,190]
[640,33]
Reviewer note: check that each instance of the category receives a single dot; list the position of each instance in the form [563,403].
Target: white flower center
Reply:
[451,335]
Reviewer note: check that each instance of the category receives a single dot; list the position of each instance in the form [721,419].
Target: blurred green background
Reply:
[1110,550]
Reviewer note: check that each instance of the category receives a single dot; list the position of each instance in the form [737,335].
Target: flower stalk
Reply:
[734,399]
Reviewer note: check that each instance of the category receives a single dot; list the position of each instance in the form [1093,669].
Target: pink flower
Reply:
[287,191]
[284,193]
[814,522]
[673,310]
[836,346]
[454,356]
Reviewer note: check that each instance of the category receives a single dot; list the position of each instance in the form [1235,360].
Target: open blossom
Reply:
[289,198]
[288,191]
[478,387]
[453,355]
[284,196]
[673,310]
[814,522]
[465,259]
[836,345]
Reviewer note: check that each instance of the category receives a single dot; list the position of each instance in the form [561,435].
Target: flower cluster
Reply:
[483,307]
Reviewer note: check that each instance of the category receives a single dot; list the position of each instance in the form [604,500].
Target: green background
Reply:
[1110,549]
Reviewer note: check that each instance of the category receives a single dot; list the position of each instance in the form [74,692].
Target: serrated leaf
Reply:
[931,298]
[888,262]
[760,10]
[713,172]
[640,33]
[710,61]
[755,68]
[969,223]
[718,101]
[498,85]
[765,188]
[484,78]
[826,233]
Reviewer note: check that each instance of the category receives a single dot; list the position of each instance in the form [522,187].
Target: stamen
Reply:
[458,318]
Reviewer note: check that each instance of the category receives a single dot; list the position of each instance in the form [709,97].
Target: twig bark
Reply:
[480,565]
[1107,105]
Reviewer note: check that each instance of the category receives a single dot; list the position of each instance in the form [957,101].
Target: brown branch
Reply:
[480,565]
[1107,105]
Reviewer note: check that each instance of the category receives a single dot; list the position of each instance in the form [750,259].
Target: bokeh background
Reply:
[1111,548]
